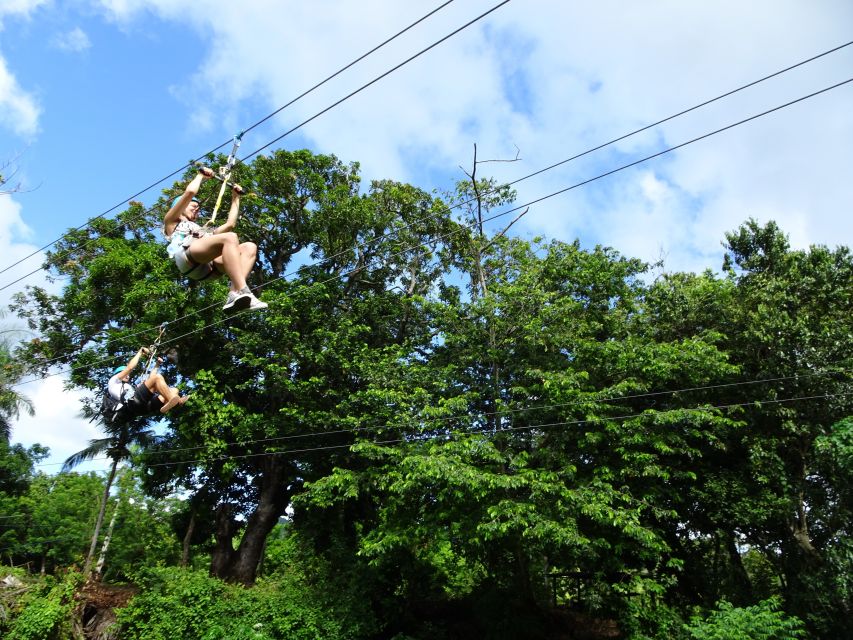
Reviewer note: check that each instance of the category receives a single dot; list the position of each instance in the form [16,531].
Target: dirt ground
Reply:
[96,619]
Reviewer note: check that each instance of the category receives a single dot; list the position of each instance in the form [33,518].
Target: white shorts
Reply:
[192,269]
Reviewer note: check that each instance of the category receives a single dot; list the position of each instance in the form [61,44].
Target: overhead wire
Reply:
[380,77]
[215,149]
[683,112]
[342,69]
[450,434]
[506,412]
[487,219]
[538,172]
[668,118]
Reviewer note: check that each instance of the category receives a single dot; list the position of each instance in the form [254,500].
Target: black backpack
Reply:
[112,410]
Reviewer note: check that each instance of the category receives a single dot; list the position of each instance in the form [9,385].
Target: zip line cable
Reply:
[445,236]
[342,69]
[803,62]
[380,77]
[215,149]
[673,148]
[451,434]
[417,437]
[601,146]
[681,113]
[501,413]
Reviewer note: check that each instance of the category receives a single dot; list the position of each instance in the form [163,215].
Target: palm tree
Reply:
[11,402]
[120,437]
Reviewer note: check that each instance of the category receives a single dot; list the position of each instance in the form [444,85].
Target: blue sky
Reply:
[99,98]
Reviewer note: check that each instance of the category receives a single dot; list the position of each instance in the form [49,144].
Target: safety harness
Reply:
[112,410]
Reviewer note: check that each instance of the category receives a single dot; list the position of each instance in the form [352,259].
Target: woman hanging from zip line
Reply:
[200,253]
[151,395]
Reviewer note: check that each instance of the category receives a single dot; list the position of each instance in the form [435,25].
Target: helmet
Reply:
[119,369]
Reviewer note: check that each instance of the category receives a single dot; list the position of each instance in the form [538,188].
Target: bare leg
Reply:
[157,384]
[248,256]
[223,249]
[168,396]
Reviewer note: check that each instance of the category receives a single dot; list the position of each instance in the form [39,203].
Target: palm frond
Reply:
[96,447]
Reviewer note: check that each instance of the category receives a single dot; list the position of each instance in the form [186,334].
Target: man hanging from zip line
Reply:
[149,396]
[200,253]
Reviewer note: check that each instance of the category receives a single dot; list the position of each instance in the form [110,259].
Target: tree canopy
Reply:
[456,423]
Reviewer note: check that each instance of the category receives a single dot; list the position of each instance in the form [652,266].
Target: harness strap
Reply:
[225,174]
[188,273]
[152,350]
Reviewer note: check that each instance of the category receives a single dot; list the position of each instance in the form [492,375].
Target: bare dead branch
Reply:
[5,179]
[515,159]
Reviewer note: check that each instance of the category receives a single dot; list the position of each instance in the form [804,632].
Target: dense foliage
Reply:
[467,434]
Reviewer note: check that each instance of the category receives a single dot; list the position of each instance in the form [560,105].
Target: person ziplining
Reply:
[124,400]
[202,253]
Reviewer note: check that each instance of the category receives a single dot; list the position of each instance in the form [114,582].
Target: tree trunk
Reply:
[102,558]
[272,502]
[222,558]
[87,566]
[185,552]
[800,524]
[743,585]
[524,586]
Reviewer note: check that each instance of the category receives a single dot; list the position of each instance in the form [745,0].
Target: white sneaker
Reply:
[237,300]
[257,304]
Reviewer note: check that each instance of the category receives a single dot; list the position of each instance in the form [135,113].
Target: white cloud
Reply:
[19,110]
[554,79]
[73,41]
[13,246]
[55,424]
[788,165]
[10,222]
[19,8]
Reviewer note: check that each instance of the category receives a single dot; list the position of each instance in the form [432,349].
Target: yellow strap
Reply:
[225,175]
[218,200]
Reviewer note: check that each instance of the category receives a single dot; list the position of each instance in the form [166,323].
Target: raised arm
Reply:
[173,216]
[133,362]
[233,212]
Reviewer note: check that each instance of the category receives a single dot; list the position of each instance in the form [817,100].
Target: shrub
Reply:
[764,621]
[182,603]
[45,611]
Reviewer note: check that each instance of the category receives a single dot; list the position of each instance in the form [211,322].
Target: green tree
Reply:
[453,413]
[17,470]
[794,319]
[12,401]
[58,513]
[529,444]
[121,437]
[763,621]
[256,379]
[142,536]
